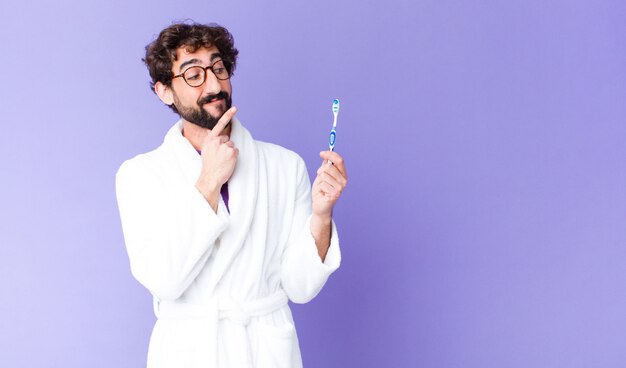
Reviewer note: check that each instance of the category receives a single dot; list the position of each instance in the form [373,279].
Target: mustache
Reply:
[209,98]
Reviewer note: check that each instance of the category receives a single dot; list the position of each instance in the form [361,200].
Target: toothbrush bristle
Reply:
[335,105]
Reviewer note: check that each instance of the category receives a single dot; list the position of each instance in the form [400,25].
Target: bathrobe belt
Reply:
[223,308]
[208,315]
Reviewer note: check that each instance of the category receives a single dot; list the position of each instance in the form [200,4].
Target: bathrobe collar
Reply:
[242,188]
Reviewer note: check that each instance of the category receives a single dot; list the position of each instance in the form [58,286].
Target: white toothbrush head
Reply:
[335,106]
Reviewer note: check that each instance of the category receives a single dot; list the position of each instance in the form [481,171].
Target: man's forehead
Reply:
[203,54]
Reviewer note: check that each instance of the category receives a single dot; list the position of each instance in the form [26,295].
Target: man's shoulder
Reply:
[275,151]
[148,161]
[280,158]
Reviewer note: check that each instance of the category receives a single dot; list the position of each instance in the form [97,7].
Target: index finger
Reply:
[223,122]
[336,159]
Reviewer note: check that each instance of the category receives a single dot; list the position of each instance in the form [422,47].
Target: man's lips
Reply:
[213,100]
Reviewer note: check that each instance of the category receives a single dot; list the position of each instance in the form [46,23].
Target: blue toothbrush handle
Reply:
[332,138]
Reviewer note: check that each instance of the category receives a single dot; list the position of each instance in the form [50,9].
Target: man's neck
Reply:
[196,134]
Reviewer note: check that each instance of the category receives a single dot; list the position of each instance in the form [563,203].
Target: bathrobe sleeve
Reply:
[170,231]
[303,274]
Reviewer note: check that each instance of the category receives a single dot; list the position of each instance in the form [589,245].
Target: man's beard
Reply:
[198,115]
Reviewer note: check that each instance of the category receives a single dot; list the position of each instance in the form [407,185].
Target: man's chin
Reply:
[204,120]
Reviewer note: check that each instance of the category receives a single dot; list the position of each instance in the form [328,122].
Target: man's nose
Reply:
[211,84]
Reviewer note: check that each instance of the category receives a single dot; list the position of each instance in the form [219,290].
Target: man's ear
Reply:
[164,92]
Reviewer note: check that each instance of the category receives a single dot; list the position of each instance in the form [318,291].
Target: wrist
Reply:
[204,185]
[321,232]
[321,219]
[209,190]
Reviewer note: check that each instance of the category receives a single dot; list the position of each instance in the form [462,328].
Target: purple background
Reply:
[484,223]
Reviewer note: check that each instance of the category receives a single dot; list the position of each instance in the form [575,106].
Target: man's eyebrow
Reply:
[188,62]
[215,55]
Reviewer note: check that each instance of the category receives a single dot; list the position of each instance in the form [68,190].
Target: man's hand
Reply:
[330,182]
[219,157]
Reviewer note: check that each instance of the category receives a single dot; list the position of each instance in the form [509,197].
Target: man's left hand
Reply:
[330,182]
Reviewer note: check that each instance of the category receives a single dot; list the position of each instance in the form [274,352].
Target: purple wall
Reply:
[485,220]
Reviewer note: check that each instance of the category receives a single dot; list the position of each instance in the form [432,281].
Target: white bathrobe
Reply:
[220,282]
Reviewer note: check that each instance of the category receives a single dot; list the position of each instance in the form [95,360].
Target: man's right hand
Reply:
[219,157]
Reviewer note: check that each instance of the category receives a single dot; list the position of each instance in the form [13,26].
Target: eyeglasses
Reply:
[196,75]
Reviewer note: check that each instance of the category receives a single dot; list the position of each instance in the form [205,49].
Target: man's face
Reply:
[203,105]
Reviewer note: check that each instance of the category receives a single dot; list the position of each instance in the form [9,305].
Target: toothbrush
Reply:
[333,133]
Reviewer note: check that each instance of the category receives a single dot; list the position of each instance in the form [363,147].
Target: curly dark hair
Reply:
[161,53]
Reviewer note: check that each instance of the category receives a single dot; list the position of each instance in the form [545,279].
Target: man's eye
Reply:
[219,70]
[193,76]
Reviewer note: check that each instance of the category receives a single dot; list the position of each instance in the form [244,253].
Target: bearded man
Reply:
[222,229]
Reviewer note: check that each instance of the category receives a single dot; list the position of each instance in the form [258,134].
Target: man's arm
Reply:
[312,251]
[219,157]
[330,182]
[169,232]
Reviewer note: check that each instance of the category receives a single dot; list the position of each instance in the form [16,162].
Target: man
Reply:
[220,228]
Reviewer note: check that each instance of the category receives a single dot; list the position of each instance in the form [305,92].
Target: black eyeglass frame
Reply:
[205,69]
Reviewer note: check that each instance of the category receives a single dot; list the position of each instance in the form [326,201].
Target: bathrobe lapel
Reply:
[242,188]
